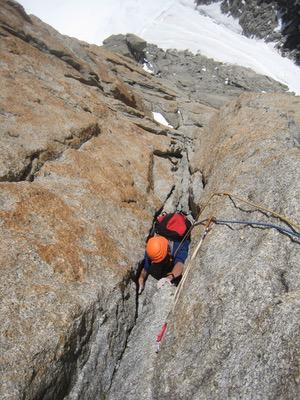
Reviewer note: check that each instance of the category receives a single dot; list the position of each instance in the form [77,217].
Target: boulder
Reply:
[137,46]
[117,44]
[128,45]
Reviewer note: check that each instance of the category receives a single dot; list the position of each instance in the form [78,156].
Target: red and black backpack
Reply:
[173,226]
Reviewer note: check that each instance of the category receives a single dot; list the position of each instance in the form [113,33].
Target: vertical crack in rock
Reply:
[132,378]
[284,281]
[196,187]
[179,200]
[83,368]
[109,332]
[150,173]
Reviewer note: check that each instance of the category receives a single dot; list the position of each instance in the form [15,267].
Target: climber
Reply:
[166,250]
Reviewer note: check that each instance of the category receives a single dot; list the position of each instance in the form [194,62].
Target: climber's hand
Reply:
[162,281]
[141,285]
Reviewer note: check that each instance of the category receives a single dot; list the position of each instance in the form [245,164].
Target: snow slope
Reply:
[169,24]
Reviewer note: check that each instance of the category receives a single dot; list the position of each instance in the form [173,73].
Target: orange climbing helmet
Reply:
[157,248]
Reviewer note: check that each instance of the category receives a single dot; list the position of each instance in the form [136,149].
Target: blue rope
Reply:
[279,228]
[263,224]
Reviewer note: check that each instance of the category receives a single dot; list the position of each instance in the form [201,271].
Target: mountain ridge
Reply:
[275,21]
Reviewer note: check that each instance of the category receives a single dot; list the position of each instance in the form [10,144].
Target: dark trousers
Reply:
[157,271]
[161,270]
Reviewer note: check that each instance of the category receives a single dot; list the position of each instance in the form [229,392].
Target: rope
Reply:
[212,220]
[251,223]
[208,227]
[209,224]
[257,206]
[263,224]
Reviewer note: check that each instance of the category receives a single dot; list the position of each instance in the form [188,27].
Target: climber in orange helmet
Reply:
[164,257]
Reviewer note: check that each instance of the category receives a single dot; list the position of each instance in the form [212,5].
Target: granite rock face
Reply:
[84,167]
[233,330]
[134,376]
[76,201]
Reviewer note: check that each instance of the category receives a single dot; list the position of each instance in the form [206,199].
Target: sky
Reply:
[169,24]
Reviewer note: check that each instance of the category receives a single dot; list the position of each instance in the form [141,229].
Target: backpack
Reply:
[172,226]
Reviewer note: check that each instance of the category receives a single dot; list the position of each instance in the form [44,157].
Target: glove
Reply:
[162,281]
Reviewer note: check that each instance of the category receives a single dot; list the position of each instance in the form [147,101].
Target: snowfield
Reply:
[169,24]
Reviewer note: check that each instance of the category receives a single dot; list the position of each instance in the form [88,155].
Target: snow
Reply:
[161,119]
[147,69]
[213,11]
[169,24]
